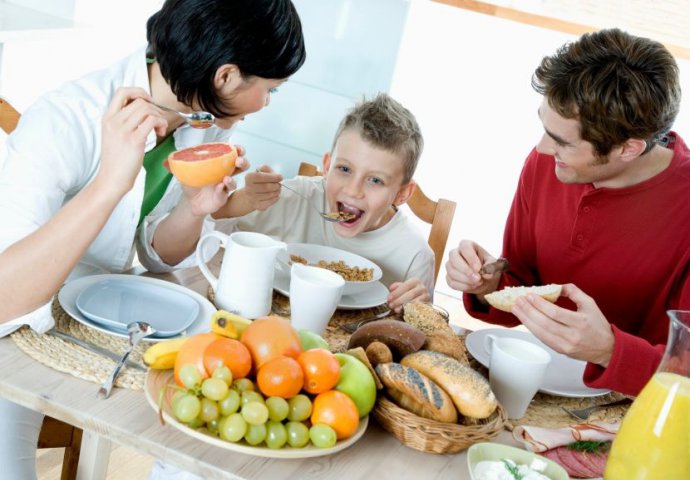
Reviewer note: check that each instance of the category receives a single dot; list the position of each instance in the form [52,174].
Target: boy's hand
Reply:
[462,269]
[411,290]
[262,188]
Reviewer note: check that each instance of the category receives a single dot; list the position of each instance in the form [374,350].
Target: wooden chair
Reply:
[54,433]
[438,214]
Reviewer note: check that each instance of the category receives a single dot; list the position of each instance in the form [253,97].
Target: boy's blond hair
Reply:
[386,124]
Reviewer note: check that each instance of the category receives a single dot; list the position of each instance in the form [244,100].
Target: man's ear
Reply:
[227,78]
[405,193]
[631,149]
[326,162]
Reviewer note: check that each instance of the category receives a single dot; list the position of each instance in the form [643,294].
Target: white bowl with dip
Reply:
[486,460]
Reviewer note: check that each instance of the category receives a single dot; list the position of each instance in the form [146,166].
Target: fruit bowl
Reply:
[205,164]
[313,253]
[157,380]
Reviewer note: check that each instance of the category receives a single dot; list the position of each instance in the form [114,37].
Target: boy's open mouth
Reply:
[349,211]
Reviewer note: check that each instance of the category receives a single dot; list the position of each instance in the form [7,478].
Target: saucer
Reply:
[116,302]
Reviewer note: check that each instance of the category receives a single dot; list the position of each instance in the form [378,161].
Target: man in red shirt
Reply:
[602,207]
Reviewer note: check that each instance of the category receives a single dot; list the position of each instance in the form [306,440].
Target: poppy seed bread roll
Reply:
[505,299]
[416,393]
[469,391]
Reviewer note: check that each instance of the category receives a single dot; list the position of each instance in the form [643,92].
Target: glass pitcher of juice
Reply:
[654,439]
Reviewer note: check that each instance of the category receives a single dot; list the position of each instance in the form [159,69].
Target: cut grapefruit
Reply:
[204,164]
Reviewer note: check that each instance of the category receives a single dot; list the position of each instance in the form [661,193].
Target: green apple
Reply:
[356,382]
[310,340]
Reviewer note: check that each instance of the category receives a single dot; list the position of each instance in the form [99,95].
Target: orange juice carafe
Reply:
[654,439]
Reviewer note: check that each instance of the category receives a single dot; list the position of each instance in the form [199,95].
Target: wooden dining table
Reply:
[126,418]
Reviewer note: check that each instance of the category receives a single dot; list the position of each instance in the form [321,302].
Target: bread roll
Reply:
[450,345]
[400,337]
[505,299]
[469,391]
[378,352]
[416,393]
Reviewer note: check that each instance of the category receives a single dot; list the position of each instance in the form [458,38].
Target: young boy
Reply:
[368,174]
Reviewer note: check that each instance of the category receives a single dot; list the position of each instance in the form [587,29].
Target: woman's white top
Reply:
[55,152]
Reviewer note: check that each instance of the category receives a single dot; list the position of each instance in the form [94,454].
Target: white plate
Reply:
[71,290]
[563,375]
[115,303]
[376,295]
[158,379]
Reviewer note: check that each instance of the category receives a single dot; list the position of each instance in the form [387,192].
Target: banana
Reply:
[162,355]
[229,324]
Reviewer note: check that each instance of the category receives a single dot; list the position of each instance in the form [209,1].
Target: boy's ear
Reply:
[326,162]
[631,149]
[404,193]
[227,78]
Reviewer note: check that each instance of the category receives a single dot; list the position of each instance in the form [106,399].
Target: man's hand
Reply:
[262,188]
[462,269]
[411,290]
[584,334]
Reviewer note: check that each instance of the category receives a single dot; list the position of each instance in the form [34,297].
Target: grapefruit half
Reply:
[204,164]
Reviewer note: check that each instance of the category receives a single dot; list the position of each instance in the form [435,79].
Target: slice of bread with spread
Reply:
[505,299]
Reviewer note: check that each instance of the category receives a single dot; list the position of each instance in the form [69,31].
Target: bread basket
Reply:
[431,436]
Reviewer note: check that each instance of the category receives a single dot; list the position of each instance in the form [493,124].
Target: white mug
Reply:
[314,295]
[245,283]
[516,370]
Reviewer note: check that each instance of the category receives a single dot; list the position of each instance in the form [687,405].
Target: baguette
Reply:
[416,393]
[505,299]
[469,391]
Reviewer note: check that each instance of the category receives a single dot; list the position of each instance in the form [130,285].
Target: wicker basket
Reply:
[431,436]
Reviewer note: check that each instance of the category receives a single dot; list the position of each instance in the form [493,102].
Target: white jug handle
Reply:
[489,343]
[212,279]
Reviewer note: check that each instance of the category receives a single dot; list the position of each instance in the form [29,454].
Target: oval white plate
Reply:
[158,379]
[375,295]
[71,290]
[115,303]
[563,375]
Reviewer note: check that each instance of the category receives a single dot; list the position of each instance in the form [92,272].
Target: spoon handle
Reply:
[107,387]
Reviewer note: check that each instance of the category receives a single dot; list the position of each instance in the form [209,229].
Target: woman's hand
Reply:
[584,334]
[462,269]
[262,188]
[129,120]
[411,290]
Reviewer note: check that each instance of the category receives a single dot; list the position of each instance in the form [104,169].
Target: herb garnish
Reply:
[589,446]
[512,469]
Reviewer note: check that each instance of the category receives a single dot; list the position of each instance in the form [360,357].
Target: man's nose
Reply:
[546,145]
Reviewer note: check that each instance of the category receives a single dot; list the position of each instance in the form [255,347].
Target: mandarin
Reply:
[280,377]
[321,370]
[337,410]
[231,353]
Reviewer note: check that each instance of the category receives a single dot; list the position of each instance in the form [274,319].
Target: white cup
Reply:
[516,370]
[314,295]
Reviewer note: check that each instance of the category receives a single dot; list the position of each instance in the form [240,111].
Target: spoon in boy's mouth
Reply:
[328,216]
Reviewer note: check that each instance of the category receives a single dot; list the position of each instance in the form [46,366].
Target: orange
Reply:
[336,409]
[321,370]
[192,351]
[271,337]
[228,352]
[280,377]
[204,164]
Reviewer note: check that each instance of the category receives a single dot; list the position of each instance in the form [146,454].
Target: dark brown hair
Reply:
[386,124]
[617,85]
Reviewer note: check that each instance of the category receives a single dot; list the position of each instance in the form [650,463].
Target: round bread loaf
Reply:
[505,299]
[416,393]
[469,391]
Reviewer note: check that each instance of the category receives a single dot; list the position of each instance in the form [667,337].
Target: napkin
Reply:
[539,439]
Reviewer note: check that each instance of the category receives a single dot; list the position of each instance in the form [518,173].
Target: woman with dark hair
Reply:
[83,181]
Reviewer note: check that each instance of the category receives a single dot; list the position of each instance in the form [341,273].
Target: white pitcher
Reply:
[245,283]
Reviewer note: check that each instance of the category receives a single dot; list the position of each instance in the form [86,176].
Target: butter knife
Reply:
[94,348]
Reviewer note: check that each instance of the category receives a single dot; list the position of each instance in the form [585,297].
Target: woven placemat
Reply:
[67,357]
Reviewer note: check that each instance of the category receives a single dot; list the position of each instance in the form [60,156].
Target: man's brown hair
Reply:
[386,124]
[617,85]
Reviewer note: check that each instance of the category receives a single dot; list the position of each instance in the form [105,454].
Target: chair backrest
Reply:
[9,117]
[438,214]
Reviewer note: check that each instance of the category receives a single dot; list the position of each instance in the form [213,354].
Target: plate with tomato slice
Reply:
[157,381]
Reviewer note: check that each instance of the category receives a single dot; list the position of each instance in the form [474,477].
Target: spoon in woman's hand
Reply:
[194,119]
[136,331]
[328,216]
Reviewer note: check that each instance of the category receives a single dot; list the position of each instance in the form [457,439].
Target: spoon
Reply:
[194,119]
[328,216]
[136,331]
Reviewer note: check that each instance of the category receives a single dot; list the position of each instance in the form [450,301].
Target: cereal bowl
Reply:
[352,265]
[497,452]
